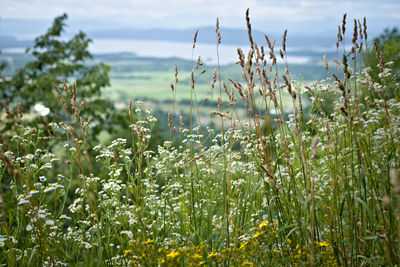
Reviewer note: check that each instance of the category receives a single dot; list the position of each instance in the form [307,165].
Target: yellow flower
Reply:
[323,244]
[127,251]
[173,254]
[148,241]
[212,254]
[257,234]
[197,256]
[243,245]
[263,224]
[276,250]
[247,263]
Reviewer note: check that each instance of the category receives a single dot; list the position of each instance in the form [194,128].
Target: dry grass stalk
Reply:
[61,98]
[20,113]
[360,29]
[284,41]
[268,42]
[83,128]
[196,158]
[346,67]
[74,108]
[249,28]
[241,57]
[289,86]
[176,73]
[339,37]
[365,28]
[9,113]
[214,79]
[326,66]
[66,87]
[219,102]
[360,48]
[198,63]
[195,38]
[130,107]
[192,79]
[344,23]
[249,60]
[221,114]
[379,56]
[355,32]
[259,57]
[217,31]
[281,54]
[169,120]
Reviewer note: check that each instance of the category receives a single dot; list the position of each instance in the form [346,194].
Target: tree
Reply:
[55,59]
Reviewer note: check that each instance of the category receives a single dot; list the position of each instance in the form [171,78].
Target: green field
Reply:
[135,77]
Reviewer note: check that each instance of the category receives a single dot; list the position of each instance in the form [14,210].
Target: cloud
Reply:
[190,13]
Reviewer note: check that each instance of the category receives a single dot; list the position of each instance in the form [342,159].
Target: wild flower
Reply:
[173,254]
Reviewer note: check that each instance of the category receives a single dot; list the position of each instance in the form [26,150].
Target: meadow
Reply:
[316,184]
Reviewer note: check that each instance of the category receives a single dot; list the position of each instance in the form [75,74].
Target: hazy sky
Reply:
[196,13]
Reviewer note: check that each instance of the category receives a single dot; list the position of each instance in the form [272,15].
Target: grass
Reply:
[317,186]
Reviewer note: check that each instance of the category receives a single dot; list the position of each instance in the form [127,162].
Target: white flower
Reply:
[47,165]
[29,156]
[32,192]
[151,119]
[87,245]
[128,233]
[49,188]
[49,222]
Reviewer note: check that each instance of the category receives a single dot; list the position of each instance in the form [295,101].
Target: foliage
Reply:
[54,59]
[389,43]
[386,52]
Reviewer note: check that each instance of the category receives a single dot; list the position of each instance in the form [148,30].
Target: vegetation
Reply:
[386,50]
[318,186]
[30,79]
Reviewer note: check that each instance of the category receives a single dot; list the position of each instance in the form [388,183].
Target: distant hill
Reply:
[307,34]
[12,42]
[207,35]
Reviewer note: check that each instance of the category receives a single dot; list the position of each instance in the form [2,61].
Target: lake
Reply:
[165,49]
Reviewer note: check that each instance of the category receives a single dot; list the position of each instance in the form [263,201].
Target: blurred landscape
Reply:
[142,61]
[142,56]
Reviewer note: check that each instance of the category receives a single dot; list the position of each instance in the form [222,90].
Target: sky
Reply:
[304,19]
[182,14]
